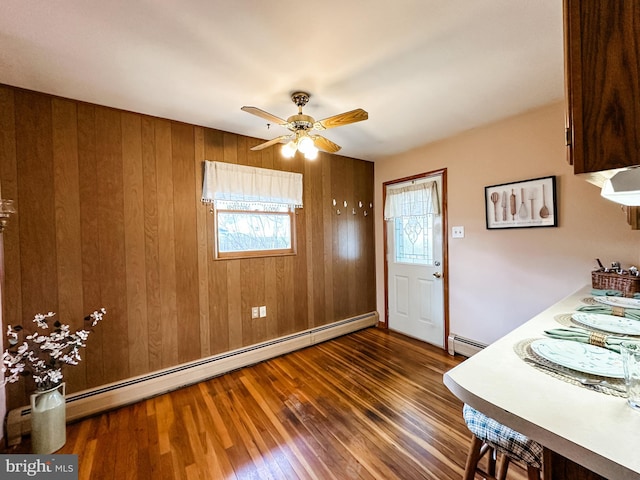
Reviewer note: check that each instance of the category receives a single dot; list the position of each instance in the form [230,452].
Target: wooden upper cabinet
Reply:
[602,56]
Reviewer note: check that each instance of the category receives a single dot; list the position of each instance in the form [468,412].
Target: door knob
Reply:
[437,275]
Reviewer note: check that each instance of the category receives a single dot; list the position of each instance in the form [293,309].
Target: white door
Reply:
[414,271]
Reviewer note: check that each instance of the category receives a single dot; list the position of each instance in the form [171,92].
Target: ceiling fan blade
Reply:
[266,115]
[325,144]
[264,145]
[345,118]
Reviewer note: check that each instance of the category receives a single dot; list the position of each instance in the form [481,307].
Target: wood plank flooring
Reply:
[369,405]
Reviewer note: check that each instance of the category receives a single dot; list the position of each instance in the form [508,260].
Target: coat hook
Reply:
[338,211]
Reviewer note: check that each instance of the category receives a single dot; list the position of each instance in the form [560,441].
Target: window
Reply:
[256,228]
[414,239]
[254,209]
[412,209]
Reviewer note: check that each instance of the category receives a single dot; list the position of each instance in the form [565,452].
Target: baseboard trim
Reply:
[107,397]
[463,346]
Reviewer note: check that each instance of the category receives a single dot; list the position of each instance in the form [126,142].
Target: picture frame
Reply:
[523,204]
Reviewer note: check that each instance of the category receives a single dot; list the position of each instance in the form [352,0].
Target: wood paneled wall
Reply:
[109,214]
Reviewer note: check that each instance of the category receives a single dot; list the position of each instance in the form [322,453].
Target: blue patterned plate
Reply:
[608,323]
[582,357]
[623,302]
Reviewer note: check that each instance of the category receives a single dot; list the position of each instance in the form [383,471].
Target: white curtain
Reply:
[228,181]
[415,199]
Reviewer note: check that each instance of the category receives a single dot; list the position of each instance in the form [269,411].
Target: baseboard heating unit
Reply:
[90,402]
[463,346]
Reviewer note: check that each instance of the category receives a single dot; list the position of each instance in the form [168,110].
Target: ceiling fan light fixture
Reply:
[305,144]
[288,150]
[311,154]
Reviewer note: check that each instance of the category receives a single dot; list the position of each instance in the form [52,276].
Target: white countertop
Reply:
[596,430]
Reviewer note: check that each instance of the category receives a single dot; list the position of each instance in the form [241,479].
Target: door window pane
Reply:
[414,239]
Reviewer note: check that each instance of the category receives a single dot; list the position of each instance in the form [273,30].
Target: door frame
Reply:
[445,247]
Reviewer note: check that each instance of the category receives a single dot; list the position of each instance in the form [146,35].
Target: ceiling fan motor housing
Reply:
[300,122]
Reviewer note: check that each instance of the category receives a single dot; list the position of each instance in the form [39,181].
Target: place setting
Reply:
[609,303]
[597,347]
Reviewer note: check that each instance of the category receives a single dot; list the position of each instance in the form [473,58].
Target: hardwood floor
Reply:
[369,405]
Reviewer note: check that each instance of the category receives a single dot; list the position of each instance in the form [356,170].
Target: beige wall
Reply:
[498,279]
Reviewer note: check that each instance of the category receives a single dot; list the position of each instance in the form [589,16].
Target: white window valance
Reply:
[228,181]
[415,199]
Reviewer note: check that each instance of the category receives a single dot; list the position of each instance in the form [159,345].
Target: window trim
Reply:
[218,255]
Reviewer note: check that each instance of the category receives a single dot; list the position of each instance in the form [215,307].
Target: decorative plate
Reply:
[623,302]
[608,323]
[582,357]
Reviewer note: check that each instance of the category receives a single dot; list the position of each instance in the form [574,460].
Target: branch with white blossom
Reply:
[43,356]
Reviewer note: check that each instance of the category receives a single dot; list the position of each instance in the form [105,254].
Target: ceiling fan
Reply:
[300,126]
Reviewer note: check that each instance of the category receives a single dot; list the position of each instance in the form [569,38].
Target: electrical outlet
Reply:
[263,311]
[457,232]
[255,312]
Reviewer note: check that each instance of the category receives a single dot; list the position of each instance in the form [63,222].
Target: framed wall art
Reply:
[524,204]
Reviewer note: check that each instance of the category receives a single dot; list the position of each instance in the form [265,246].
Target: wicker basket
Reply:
[627,284]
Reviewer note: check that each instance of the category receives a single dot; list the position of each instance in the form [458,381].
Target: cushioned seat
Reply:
[491,436]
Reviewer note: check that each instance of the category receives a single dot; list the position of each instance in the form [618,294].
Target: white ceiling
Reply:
[423,69]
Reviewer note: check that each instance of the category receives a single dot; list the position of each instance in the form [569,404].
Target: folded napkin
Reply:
[610,293]
[606,293]
[632,313]
[612,342]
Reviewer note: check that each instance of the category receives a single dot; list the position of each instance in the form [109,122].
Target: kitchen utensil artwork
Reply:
[495,196]
[527,203]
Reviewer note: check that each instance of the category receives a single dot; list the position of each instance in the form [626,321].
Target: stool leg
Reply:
[533,473]
[491,461]
[503,466]
[472,458]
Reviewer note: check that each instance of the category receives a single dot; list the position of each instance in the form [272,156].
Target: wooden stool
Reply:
[490,437]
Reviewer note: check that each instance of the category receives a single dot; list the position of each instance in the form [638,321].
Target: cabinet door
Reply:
[602,53]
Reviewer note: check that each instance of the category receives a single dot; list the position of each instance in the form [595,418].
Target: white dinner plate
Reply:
[619,301]
[580,356]
[608,323]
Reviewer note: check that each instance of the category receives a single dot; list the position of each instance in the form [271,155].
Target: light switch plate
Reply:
[255,312]
[263,311]
[457,232]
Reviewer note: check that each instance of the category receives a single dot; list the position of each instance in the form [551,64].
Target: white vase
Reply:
[48,420]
